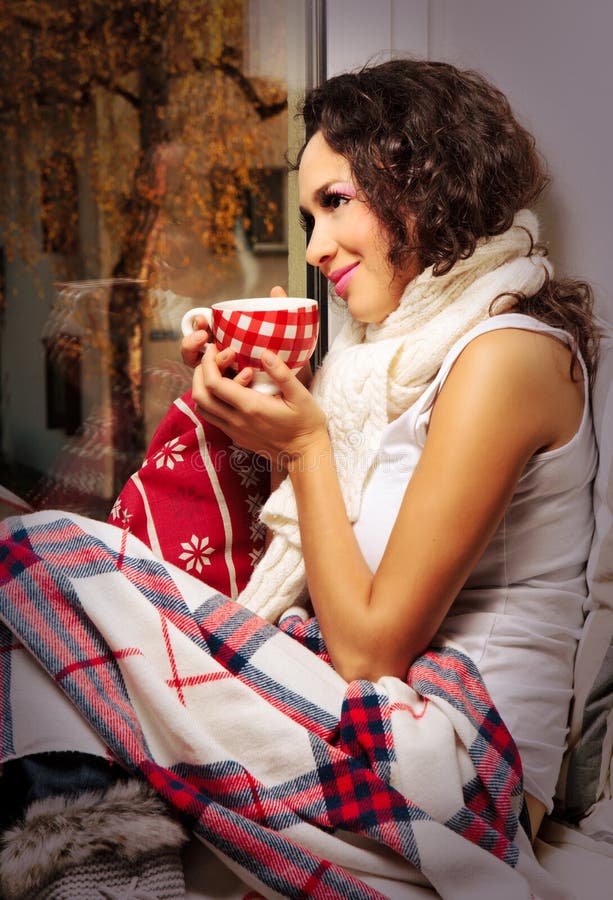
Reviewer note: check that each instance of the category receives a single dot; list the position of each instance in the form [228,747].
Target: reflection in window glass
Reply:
[143,169]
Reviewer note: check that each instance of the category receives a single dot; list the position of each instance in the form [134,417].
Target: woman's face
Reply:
[347,242]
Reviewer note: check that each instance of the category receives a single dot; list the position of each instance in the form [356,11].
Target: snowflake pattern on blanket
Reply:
[306,785]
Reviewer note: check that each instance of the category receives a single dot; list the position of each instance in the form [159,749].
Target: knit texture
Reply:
[374,372]
[156,876]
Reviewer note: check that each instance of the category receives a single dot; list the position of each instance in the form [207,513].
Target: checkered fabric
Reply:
[306,786]
[291,333]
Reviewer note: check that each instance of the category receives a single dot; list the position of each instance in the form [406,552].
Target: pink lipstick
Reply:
[340,278]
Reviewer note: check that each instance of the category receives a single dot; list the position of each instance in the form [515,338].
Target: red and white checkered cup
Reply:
[286,325]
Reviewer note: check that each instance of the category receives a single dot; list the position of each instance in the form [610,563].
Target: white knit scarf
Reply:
[375,372]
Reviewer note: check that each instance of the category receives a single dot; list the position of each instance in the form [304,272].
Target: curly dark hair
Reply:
[442,162]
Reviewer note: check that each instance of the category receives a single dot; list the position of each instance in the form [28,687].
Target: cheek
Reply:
[375,239]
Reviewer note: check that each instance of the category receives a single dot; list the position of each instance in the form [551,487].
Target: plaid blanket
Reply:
[303,784]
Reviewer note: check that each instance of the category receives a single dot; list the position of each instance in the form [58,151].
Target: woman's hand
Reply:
[283,428]
[194,343]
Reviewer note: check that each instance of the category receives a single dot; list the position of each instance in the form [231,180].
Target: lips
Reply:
[340,278]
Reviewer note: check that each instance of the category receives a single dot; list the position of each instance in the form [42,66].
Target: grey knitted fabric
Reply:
[108,877]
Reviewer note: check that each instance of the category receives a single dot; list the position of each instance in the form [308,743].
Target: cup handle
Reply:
[187,322]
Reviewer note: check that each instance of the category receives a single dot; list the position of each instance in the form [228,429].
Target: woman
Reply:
[441,465]
[434,485]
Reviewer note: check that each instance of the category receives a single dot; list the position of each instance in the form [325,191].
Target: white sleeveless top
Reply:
[520,613]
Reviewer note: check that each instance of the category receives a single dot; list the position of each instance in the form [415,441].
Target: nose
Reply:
[321,246]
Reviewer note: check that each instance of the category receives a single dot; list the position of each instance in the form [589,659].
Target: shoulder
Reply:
[515,379]
[518,351]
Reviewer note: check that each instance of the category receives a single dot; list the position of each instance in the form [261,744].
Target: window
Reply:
[151,152]
[266,203]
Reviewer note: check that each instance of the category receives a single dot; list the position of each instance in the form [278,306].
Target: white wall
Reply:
[553,60]
[358,30]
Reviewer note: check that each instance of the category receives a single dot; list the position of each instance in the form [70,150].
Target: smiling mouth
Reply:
[340,278]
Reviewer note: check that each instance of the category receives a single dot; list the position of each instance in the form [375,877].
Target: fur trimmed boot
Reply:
[120,844]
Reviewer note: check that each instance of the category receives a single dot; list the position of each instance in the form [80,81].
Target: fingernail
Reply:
[268,358]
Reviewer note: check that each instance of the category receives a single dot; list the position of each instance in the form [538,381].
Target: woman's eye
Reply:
[333,201]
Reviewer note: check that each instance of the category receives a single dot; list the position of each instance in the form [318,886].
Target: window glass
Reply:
[143,168]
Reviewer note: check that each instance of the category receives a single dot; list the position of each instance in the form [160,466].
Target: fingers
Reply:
[193,346]
[220,359]
[194,343]
[207,386]
[267,425]
[283,377]
[199,322]
[278,291]
[209,381]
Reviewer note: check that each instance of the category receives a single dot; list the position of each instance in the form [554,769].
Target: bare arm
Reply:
[506,397]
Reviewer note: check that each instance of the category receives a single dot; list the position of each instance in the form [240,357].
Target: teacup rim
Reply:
[264,304]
